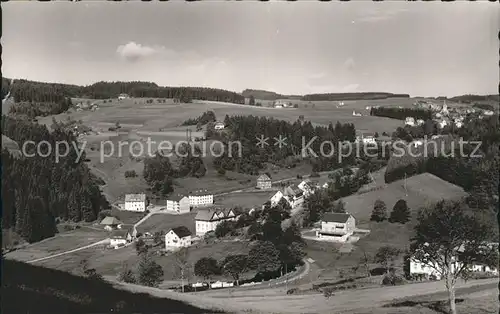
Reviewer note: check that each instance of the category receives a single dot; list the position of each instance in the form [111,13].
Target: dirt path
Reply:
[69,251]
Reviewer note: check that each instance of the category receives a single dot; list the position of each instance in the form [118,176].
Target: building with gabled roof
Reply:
[201,198]
[293,195]
[179,204]
[264,182]
[336,227]
[135,202]
[207,219]
[120,237]
[178,237]
[110,223]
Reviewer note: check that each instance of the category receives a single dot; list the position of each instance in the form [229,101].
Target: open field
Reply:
[420,190]
[109,262]
[127,217]
[165,222]
[59,243]
[158,122]
[245,199]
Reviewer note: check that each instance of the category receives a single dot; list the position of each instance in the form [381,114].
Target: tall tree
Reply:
[379,212]
[206,267]
[149,272]
[400,212]
[264,257]
[386,255]
[235,265]
[182,261]
[450,238]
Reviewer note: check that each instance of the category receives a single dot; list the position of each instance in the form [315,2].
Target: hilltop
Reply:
[267,95]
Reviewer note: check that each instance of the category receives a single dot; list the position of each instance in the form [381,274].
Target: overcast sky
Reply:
[424,49]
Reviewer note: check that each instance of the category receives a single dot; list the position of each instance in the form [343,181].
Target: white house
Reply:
[207,219]
[410,121]
[135,202]
[219,125]
[120,237]
[354,113]
[178,237]
[110,223]
[337,227]
[122,96]
[201,198]
[306,187]
[420,121]
[294,196]
[276,198]
[179,204]
[488,112]
[264,182]
[369,140]
[459,124]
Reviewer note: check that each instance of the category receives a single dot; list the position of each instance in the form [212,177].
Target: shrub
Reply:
[130,174]
[292,291]
[392,280]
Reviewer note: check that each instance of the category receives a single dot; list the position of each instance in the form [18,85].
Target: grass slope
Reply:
[32,289]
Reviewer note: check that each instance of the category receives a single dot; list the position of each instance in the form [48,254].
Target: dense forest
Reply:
[401,113]
[35,109]
[474,98]
[36,191]
[352,96]
[267,95]
[208,116]
[30,91]
[247,129]
[159,172]
[477,175]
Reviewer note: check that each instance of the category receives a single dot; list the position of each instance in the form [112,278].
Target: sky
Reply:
[422,49]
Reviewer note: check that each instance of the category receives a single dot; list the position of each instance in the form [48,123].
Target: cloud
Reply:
[133,51]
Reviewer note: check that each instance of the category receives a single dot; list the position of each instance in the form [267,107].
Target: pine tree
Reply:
[400,213]
[379,212]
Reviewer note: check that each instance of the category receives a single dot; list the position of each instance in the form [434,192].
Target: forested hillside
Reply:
[37,190]
[351,96]
[31,91]
[247,129]
[267,95]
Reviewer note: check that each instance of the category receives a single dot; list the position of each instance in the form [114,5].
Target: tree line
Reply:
[159,172]
[351,96]
[247,129]
[37,191]
[478,175]
[401,113]
[32,91]
[35,109]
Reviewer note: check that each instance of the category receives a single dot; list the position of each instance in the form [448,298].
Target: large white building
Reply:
[208,219]
[294,196]
[178,237]
[410,121]
[135,202]
[201,198]
[179,204]
[264,182]
[336,227]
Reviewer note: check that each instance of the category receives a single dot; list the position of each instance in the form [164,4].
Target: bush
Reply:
[392,280]
[292,291]
[314,174]
[130,174]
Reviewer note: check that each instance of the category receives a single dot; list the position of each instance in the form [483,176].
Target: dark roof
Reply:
[206,214]
[181,231]
[263,177]
[335,217]
[176,197]
[200,193]
[110,221]
[119,234]
[332,233]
